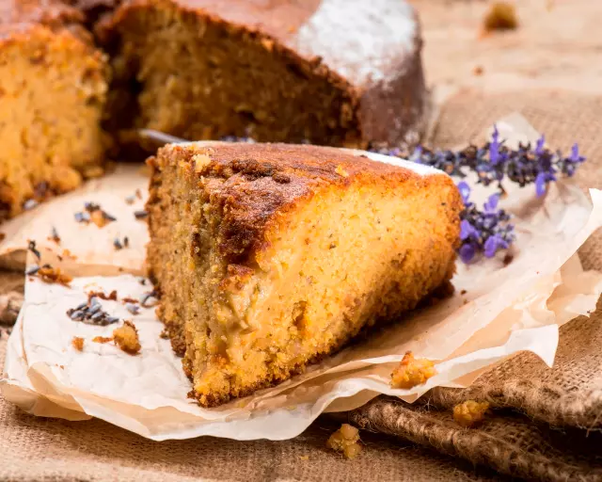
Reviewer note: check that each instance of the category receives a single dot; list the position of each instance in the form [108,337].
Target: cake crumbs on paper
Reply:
[478,70]
[412,372]
[50,275]
[470,412]
[102,339]
[345,439]
[500,16]
[112,296]
[78,343]
[126,338]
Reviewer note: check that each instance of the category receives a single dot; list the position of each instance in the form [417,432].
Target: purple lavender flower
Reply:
[494,243]
[494,147]
[464,189]
[467,252]
[539,146]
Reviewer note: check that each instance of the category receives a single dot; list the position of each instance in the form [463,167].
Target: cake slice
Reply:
[268,257]
[52,92]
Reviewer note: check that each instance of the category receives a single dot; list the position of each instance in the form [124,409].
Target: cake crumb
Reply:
[50,275]
[102,339]
[501,16]
[478,70]
[126,338]
[346,440]
[412,372]
[470,412]
[2,236]
[78,343]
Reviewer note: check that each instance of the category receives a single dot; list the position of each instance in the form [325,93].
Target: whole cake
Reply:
[52,96]
[331,72]
[268,257]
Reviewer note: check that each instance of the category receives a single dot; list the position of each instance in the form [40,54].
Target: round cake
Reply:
[330,72]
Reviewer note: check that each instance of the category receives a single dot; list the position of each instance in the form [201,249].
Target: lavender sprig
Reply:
[486,231]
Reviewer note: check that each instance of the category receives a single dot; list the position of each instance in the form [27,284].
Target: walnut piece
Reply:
[470,412]
[78,343]
[346,440]
[412,372]
[126,338]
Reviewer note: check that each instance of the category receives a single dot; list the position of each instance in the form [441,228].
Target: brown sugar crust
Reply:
[254,288]
[52,87]
[316,92]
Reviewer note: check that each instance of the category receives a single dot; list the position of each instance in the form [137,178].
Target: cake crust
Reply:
[250,246]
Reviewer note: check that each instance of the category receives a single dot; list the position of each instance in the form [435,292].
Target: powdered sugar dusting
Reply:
[357,38]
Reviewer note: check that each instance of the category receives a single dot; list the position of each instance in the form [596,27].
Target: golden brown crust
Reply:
[291,176]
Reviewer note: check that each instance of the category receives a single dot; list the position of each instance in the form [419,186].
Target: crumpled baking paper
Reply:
[497,310]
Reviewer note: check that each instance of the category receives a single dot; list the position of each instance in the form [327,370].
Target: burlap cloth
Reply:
[545,423]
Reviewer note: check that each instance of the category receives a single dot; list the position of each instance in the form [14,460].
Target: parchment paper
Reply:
[497,310]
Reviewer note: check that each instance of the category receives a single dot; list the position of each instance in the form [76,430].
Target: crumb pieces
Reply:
[93,213]
[508,259]
[112,296]
[126,338]
[470,412]
[463,292]
[478,70]
[138,194]
[102,339]
[501,16]
[412,372]
[2,237]
[164,334]
[346,440]
[78,343]
[50,275]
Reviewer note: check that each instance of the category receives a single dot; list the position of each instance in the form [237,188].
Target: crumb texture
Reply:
[346,440]
[470,412]
[412,372]
[52,91]
[270,257]
[126,338]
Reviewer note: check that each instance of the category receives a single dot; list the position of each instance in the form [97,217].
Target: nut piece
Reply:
[412,372]
[78,343]
[346,440]
[470,412]
[126,338]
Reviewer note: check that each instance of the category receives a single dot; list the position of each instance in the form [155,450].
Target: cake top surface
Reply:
[251,182]
[364,41]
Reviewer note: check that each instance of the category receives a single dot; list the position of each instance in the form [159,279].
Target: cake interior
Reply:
[346,258]
[199,78]
[52,91]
